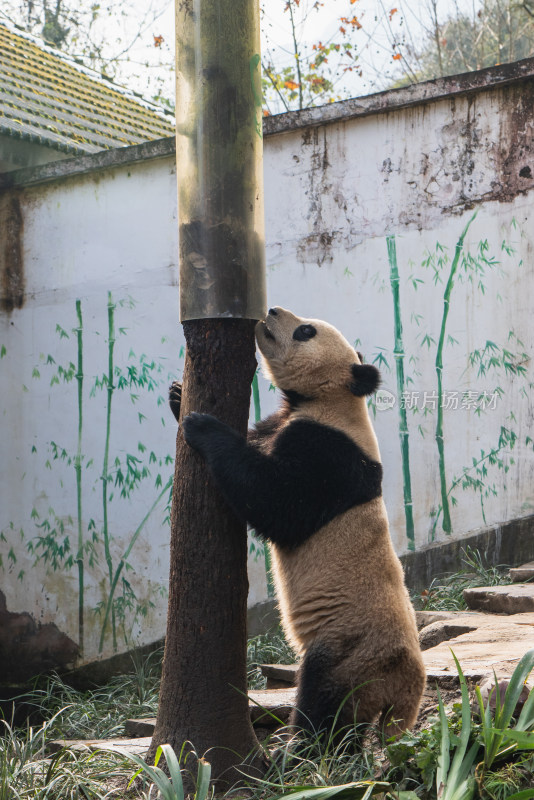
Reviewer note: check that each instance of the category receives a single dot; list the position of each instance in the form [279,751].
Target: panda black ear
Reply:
[366,379]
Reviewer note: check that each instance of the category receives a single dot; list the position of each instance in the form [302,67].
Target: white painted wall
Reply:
[332,196]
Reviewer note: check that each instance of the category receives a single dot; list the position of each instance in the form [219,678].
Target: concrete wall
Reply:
[404,219]
[17,153]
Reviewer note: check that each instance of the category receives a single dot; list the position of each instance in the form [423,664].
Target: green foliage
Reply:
[414,756]
[445,755]
[497,736]
[454,779]
[318,762]
[357,790]
[28,772]
[172,787]
[506,782]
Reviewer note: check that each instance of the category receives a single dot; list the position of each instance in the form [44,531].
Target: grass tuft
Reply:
[98,713]
[268,648]
[447,593]
[27,771]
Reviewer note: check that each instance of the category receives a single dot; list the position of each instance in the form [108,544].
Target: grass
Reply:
[27,771]
[317,769]
[269,648]
[98,713]
[446,593]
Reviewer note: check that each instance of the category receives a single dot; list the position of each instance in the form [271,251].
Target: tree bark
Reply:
[203,689]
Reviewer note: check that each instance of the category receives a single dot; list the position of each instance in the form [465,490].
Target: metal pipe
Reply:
[219,159]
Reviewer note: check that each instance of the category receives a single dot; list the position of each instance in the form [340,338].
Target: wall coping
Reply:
[341,111]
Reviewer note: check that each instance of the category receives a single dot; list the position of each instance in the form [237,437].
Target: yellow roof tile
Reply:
[46,96]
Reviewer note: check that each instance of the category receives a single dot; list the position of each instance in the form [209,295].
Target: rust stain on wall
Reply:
[28,649]
[317,246]
[516,151]
[11,249]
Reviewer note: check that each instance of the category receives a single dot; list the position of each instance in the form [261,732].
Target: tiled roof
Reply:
[47,97]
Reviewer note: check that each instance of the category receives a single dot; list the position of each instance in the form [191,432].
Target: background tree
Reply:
[470,37]
[119,39]
[305,73]
[314,51]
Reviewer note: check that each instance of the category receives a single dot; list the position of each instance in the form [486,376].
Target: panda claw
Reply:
[175,398]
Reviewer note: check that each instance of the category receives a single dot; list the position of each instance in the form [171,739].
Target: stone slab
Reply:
[279,676]
[137,728]
[495,645]
[437,632]
[424,618]
[268,709]
[487,642]
[513,599]
[523,573]
[265,704]
[135,746]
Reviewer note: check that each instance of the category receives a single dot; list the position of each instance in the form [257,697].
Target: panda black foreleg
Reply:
[319,699]
[249,480]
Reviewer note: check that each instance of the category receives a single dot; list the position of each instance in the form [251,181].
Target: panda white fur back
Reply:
[309,481]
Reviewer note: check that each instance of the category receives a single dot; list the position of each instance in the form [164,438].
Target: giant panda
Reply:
[308,480]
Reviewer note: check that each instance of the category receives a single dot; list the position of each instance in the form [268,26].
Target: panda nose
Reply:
[273,312]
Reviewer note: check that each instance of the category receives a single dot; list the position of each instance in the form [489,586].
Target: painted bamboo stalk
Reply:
[446,523]
[105,473]
[266,550]
[122,562]
[256,397]
[78,469]
[399,354]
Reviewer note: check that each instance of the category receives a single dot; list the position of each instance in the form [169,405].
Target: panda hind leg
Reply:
[401,713]
[318,697]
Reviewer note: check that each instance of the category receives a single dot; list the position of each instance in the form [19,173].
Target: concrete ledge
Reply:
[393,99]
[378,103]
[510,544]
[85,165]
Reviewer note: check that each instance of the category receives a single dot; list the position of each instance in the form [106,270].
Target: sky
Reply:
[383,22]
[142,33]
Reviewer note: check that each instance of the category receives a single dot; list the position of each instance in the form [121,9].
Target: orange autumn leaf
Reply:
[158,41]
[354,22]
[397,57]
[291,85]
[342,29]
[393,11]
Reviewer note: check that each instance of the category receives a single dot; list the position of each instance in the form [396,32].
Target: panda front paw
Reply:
[199,429]
[175,398]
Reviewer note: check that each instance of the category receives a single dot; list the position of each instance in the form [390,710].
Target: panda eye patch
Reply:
[304,332]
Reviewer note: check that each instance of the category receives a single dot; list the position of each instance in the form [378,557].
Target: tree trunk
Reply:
[203,689]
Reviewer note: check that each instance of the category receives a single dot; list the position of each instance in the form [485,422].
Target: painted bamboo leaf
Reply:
[446,517]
